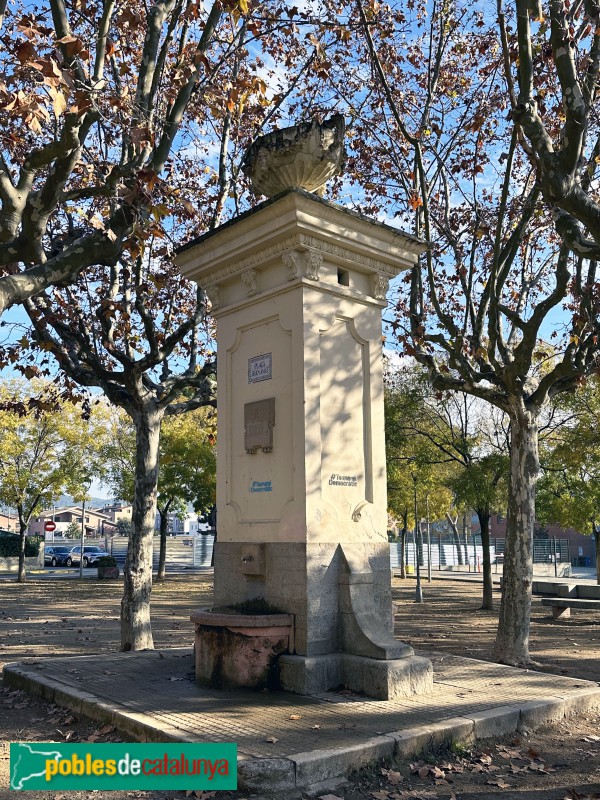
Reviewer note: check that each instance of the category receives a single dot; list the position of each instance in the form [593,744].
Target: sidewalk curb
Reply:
[301,770]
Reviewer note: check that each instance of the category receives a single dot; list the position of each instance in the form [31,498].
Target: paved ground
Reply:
[289,740]
[153,694]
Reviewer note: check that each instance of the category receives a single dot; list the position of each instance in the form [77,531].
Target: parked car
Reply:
[56,555]
[91,554]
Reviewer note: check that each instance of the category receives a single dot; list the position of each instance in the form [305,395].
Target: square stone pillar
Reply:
[297,287]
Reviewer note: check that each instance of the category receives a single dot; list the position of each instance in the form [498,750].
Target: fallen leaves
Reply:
[500,782]
[519,761]
[106,729]
[392,776]
[441,773]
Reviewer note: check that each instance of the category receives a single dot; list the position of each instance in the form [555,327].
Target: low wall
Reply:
[11,564]
[563,569]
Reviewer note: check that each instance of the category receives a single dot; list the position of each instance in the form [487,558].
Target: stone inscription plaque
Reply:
[259,421]
[260,368]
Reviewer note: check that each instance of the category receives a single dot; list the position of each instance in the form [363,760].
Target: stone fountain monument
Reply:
[302,595]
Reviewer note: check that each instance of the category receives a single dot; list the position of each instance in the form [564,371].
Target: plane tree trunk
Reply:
[487,602]
[597,543]
[512,640]
[164,523]
[21,574]
[136,632]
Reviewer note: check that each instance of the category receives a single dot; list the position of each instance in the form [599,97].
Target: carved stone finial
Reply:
[303,156]
[249,278]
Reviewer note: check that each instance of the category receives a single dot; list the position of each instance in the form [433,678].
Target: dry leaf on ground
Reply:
[392,776]
[106,729]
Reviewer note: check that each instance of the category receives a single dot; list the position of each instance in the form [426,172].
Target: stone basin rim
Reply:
[238,619]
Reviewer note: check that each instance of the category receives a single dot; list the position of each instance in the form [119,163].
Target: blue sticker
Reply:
[261,486]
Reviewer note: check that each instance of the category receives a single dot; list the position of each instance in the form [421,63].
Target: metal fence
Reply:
[195,551]
[183,552]
[446,551]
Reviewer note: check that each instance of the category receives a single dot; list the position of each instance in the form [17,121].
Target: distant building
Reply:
[580,545]
[176,525]
[117,511]
[96,522]
[9,522]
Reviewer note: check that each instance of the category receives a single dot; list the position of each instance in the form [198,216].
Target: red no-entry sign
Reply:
[49,526]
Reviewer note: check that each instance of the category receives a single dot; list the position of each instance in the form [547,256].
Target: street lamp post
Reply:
[82,538]
[428,538]
[419,591]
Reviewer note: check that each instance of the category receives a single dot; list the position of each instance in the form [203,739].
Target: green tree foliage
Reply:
[187,471]
[412,464]
[10,546]
[124,527]
[569,490]
[47,446]
[460,440]
[73,531]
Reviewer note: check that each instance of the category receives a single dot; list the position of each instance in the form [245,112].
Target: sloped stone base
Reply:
[383,680]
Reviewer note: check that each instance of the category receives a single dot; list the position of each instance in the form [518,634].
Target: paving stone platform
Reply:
[288,741]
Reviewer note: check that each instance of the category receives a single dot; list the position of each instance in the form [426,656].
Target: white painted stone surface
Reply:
[298,288]
[314,307]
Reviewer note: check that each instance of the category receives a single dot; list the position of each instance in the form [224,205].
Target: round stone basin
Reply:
[236,649]
[234,618]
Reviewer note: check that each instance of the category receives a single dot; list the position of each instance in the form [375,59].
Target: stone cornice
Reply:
[301,242]
[317,207]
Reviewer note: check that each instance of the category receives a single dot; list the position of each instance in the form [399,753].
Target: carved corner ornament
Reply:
[250,279]
[293,263]
[379,286]
[214,295]
[314,261]
[357,513]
